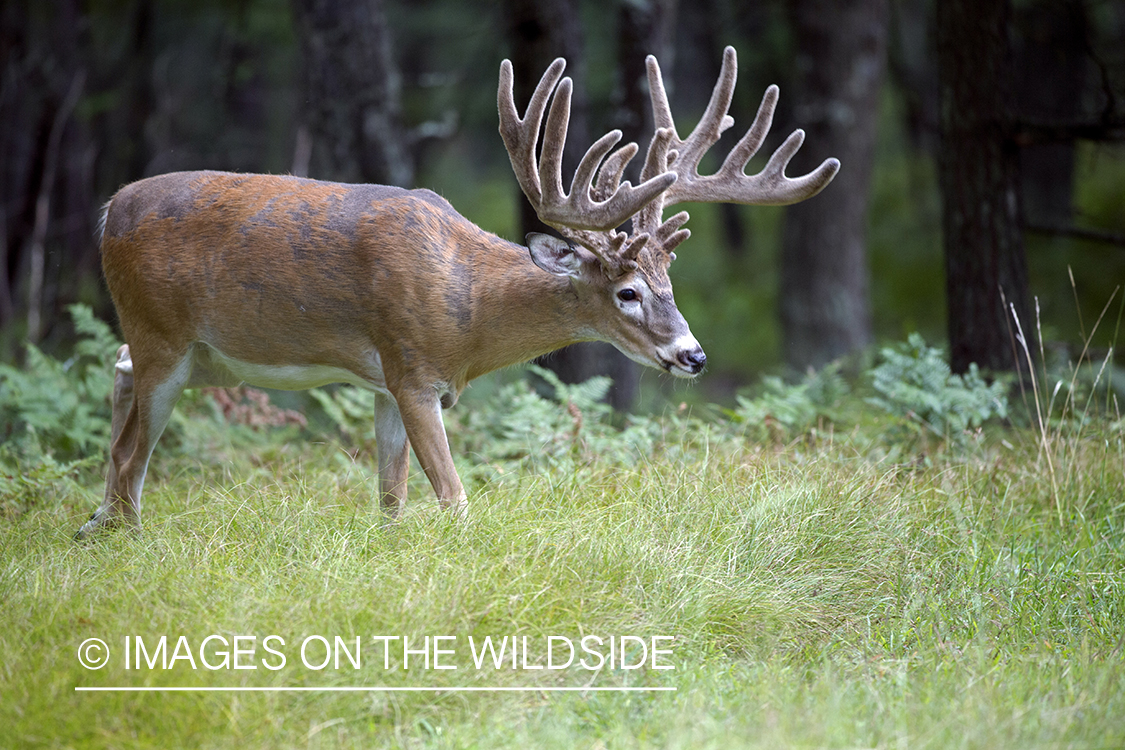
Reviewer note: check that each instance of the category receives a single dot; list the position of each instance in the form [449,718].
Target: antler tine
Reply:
[609,176]
[715,119]
[521,135]
[586,207]
[649,218]
[661,112]
[670,235]
[730,184]
[771,187]
[554,142]
[579,209]
[774,188]
[749,144]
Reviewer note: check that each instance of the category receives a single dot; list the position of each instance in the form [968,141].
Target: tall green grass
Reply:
[836,572]
[818,594]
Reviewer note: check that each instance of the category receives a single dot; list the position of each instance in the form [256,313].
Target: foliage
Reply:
[784,409]
[1075,391]
[61,408]
[26,483]
[914,382]
[520,428]
[846,602]
[856,602]
[516,428]
[350,411]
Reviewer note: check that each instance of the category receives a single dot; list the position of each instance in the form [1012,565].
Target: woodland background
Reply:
[981,143]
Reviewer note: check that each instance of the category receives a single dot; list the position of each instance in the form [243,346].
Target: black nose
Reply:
[693,359]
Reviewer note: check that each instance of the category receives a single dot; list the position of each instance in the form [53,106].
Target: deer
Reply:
[222,279]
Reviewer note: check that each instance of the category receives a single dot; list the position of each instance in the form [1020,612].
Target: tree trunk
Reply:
[37,243]
[542,31]
[539,32]
[353,88]
[46,177]
[644,29]
[979,176]
[1050,71]
[825,310]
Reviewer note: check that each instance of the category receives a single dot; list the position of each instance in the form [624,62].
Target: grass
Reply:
[822,590]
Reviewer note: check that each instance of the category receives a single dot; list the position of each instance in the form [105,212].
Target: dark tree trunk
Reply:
[46,171]
[643,29]
[1050,71]
[825,310]
[353,88]
[979,175]
[703,29]
[550,29]
[912,64]
[539,32]
[134,149]
[17,140]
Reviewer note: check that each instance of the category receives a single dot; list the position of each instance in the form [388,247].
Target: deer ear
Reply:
[555,256]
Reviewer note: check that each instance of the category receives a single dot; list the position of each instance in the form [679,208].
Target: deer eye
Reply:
[627,295]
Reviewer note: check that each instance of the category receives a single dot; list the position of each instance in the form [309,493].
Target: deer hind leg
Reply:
[122,402]
[143,399]
[394,455]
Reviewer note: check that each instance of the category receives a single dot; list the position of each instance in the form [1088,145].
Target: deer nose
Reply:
[693,359]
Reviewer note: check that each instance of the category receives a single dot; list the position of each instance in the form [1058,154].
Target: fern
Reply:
[61,408]
[792,409]
[914,382]
[24,483]
[349,410]
[520,429]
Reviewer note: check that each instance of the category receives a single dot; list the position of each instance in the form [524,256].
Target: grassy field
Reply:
[854,582]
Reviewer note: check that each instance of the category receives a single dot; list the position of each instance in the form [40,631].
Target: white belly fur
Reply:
[212,367]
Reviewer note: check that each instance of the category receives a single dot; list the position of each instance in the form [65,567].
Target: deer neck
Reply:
[521,311]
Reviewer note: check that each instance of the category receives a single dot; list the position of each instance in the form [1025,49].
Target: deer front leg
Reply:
[421,415]
[394,455]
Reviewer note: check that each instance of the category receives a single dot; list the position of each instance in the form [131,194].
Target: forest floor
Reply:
[807,569]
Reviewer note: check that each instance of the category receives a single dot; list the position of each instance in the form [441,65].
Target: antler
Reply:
[730,184]
[590,212]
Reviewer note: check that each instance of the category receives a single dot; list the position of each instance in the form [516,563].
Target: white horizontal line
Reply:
[374,689]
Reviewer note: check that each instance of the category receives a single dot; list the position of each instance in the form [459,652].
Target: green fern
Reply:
[791,409]
[914,382]
[61,408]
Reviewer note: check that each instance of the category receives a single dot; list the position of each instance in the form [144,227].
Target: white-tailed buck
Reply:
[282,282]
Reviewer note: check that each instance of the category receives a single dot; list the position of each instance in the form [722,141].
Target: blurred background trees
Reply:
[838,62]
[980,141]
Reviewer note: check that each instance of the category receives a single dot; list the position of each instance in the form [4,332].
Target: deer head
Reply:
[631,269]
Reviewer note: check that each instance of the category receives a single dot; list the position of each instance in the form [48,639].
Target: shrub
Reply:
[61,408]
[785,409]
[518,427]
[914,382]
[54,415]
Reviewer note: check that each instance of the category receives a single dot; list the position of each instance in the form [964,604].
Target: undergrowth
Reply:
[903,558]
